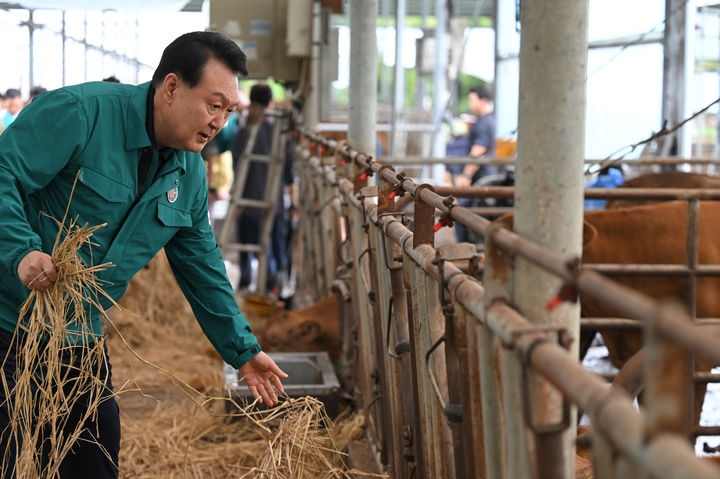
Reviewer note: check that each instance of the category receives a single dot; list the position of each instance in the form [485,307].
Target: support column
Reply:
[674,81]
[363,75]
[548,198]
[312,109]
[440,93]
[398,79]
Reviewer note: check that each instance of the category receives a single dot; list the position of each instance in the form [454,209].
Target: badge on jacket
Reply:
[172,194]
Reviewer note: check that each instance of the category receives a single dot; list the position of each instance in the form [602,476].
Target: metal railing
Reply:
[443,361]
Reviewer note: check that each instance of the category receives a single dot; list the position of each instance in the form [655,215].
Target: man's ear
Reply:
[169,86]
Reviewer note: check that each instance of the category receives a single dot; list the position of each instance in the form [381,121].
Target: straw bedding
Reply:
[176,425]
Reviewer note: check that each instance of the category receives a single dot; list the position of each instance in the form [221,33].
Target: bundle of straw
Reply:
[58,362]
[303,445]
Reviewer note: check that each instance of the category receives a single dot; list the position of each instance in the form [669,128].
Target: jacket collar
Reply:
[137,136]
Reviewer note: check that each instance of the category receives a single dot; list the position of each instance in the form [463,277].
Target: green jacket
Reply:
[97,132]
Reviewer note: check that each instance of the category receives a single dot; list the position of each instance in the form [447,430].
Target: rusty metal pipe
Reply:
[658,194]
[610,411]
[628,303]
[654,269]
[674,326]
[603,324]
[613,413]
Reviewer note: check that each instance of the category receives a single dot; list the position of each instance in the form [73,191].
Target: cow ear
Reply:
[589,233]
[309,330]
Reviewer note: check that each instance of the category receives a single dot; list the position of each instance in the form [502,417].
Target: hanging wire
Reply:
[609,160]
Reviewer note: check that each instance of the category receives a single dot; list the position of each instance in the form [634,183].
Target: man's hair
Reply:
[261,94]
[480,91]
[36,90]
[187,55]
[111,79]
[12,93]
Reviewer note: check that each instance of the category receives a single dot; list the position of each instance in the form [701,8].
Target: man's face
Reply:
[196,115]
[14,105]
[476,104]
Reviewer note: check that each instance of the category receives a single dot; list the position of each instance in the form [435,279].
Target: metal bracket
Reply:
[443,254]
[367,192]
[563,340]
[453,412]
[397,259]
[387,332]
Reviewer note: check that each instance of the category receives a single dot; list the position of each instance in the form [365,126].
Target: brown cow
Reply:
[315,328]
[650,234]
[665,179]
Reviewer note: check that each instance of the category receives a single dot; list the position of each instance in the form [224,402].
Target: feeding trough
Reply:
[309,374]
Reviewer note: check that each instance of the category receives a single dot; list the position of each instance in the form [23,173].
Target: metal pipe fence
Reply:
[443,360]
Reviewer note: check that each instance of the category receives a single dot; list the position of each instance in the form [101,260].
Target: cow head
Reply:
[315,328]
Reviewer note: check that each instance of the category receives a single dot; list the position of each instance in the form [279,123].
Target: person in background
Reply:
[134,152]
[248,225]
[3,110]
[608,177]
[481,139]
[35,91]
[481,143]
[13,105]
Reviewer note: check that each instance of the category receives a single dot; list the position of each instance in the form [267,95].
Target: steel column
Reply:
[363,75]
[548,195]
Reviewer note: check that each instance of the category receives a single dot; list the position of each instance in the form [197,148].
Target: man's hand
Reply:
[258,373]
[36,271]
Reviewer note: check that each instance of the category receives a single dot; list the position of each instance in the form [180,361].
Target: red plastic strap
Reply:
[392,195]
[444,221]
[554,303]
[566,293]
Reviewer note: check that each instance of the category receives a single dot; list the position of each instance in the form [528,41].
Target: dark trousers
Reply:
[248,231]
[95,453]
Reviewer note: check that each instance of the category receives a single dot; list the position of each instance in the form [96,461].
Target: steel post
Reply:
[398,96]
[363,75]
[549,191]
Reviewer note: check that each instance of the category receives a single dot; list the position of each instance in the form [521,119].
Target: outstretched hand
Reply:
[260,374]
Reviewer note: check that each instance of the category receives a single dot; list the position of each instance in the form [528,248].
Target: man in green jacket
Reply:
[135,153]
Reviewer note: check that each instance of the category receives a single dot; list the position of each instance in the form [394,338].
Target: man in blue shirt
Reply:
[481,143]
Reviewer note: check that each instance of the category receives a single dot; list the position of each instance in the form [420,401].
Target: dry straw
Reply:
[58,362]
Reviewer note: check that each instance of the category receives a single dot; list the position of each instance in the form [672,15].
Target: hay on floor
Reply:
[172,431]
